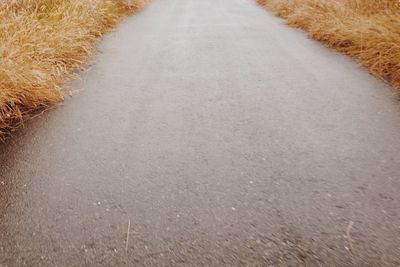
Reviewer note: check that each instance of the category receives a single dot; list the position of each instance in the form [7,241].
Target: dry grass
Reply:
[368,30]
[42,43]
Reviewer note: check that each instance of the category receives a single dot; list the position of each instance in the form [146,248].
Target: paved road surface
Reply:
[223,136]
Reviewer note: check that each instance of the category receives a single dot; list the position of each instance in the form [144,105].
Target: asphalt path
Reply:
[207,133]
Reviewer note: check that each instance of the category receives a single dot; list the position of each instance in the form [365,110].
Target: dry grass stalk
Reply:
[368,30]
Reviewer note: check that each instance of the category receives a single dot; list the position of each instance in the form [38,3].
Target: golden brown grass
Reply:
[368,30]
[42,43]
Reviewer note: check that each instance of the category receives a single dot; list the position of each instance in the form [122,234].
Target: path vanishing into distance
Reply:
[208,133]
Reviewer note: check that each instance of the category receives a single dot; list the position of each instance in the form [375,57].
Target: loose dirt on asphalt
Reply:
[208,133]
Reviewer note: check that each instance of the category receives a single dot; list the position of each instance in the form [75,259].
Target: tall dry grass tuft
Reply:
[42,43]
[368,30]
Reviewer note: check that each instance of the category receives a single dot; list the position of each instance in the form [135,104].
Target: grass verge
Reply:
[42,43]
[368,30]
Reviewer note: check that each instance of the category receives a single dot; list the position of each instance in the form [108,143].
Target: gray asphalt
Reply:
[218,136]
